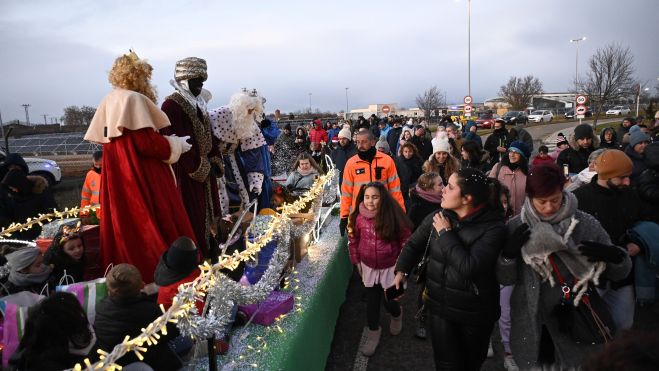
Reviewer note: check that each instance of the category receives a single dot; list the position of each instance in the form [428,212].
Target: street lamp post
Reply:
[309,103]
[469,50]
[576,73]
[347,109]
[27,115]
[638,97]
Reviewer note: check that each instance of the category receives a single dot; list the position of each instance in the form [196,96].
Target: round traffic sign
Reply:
[467,109]
[468,99]
[581,110]
[386,109]
[581,99]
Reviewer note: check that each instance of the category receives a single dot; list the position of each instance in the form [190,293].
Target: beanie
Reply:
[382,146]
[583,131]
[345,133]
[613,163]
[561,139]
[638,137]
[23,258]
[634,129]
[521,148]
[440,145]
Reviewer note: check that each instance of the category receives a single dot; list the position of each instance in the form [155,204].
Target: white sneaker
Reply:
[509,363]
[490,350]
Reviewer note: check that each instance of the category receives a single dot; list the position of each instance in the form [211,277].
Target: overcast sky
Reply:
[57,53]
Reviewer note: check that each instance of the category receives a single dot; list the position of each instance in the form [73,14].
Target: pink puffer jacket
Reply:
[366,247]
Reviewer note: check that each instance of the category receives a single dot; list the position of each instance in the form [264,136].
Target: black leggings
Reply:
[458,346]
[375,295]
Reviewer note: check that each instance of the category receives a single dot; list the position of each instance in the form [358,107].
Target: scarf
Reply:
[552,235]
[28,279]
[183,89]
[429,195]
[367,155]
[513,165]
[366,213]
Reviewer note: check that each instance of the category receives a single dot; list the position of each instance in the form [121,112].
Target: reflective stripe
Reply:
[395,189]
[347,182]
[86,190]
[392,178]
[86,198]
[346,194]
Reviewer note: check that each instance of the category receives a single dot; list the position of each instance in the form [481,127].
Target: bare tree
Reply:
[519,91]
[609,76]
[87,114]
[431,100]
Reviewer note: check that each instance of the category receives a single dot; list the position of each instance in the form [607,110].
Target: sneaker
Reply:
[372,341]
[490,350]
[396,324]
[509,363]
[421,332]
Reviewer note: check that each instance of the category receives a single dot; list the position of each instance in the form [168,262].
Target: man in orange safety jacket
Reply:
[91,189]
[368,165]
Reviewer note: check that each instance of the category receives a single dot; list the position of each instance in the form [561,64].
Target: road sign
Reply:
[582,99]
[386,109]
[581,111]
[467,110]
[468,99]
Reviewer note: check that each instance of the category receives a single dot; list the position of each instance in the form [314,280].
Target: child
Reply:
[66,253]
[177,265]
[542,156]
[377,230]
[26,271]
[125,312]
[304,174]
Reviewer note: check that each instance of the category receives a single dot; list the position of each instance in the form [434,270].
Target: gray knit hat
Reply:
[190,68]
[638,137]
[23,258]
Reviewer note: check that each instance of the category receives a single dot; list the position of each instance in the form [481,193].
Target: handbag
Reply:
[422,266]
[587,323]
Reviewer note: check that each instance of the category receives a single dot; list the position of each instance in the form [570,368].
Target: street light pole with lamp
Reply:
[347,110]
[638,97]
[576,73]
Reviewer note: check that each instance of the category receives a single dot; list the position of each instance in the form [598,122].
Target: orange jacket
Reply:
[358,172]
[91,190]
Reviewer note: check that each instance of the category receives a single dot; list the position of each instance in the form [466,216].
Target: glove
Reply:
[513,247]
[185,146]
[343,224]
[599,252]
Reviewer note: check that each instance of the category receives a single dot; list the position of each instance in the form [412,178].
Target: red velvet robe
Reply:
[142,211]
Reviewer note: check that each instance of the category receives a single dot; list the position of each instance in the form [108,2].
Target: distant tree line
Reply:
[74,115]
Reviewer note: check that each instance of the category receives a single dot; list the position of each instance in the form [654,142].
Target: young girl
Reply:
[412,162]
[66,253]
[542,156]
[305,171]
[405,137]
[473,156]
[377,230]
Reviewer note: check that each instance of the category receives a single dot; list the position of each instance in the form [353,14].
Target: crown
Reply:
[132,55]
[69,233]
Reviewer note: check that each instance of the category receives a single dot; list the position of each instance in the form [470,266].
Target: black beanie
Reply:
[583,131]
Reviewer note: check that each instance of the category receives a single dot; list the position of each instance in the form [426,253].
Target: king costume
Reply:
[197,170]
[142,212]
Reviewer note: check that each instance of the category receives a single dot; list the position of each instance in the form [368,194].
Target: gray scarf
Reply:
[553,235]
[28,279]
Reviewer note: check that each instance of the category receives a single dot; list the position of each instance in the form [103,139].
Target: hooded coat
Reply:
[576,157]
[648,182]
[34,198]
[498,138]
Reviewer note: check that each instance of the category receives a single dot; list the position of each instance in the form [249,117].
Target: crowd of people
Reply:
[557,247]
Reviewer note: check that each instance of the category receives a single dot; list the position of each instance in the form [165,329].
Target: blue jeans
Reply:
[620,303]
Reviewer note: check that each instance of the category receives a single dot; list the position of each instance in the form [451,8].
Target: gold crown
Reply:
[69,233]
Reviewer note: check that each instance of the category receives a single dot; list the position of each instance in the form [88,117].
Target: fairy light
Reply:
[43,218]
[184,305]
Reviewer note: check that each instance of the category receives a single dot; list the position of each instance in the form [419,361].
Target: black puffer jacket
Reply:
[418,208]
[648,182]
[461,279]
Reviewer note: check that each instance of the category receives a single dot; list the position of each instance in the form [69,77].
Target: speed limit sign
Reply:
[581,99]
[468,99]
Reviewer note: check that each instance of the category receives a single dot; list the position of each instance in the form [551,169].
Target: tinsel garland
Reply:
[46,218]
[183,311]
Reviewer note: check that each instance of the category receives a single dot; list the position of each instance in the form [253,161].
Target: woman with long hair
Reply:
[473,156]
[555,255]
[441,161]
[303,174]
[462,243]
[412,162]
[512,172]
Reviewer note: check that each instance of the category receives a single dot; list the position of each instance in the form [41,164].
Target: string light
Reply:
[46,218]
[183,307]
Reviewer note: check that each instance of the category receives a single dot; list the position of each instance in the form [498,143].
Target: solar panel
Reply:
[53,144]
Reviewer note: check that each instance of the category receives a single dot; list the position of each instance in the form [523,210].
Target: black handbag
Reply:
[590,321]
[422,266]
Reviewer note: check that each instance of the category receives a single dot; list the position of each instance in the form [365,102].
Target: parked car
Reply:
[40,166]
[618,111]
[570,114]
[515,117]
[541,116]
[486,120]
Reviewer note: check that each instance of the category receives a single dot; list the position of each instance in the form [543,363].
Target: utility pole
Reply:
[44,119]
[469,50]
[309,103]
[27,115]
[347,110]
[2,127]
[576,74]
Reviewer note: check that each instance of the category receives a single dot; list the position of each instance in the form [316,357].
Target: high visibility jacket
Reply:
[359,172]
[91,190]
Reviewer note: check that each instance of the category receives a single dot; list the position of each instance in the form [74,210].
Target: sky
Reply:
[55,54]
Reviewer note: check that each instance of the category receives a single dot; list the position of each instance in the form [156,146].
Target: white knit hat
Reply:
[345,133]
[440,145]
